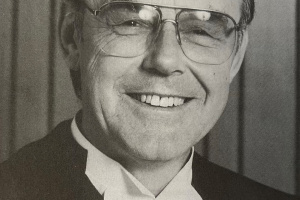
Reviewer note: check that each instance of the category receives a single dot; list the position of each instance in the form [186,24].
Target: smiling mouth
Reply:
[160,101]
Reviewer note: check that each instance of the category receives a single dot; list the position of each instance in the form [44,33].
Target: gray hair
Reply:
[248,9]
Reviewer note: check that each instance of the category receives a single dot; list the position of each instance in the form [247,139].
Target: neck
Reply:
[155,176]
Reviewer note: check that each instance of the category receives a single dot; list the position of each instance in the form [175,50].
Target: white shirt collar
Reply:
[114,182]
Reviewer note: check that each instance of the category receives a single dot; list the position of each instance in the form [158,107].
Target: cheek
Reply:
[101,75]
[215,80]
[220,83]
[98,81]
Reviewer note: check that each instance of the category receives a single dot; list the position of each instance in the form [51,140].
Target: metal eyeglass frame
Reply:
[237,26]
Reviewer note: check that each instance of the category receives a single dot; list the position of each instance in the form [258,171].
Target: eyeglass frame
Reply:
[237,26]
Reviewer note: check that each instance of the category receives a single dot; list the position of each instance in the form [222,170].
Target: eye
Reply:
[200,32]
[133,23]
[194,30]
[130,23]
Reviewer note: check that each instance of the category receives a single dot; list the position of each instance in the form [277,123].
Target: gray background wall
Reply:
[258,135]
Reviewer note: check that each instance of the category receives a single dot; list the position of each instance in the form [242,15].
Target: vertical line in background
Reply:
[51,63]
[14,78]
[206,146]
[297,132]
[241,120]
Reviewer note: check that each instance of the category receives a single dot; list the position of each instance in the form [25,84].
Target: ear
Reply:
[239,55]
[70,41]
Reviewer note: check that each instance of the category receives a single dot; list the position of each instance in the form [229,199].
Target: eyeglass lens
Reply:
[129,29]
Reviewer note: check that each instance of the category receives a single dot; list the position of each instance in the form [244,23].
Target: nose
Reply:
[165,57]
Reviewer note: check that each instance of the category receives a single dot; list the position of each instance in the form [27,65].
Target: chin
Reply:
[156,149]
[158,155]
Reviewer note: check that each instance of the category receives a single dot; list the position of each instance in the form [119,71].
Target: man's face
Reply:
[114,89]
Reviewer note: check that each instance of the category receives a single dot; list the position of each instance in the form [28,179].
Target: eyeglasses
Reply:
[127,29]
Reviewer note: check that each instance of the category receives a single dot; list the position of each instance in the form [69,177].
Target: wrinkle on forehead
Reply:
[230,7]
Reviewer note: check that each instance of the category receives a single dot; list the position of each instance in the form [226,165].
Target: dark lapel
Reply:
[200,179]
[209,180]
[70,162]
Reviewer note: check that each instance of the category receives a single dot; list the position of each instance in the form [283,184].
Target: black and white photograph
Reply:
[149,100]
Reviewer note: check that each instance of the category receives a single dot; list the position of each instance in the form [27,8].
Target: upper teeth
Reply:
[156,100]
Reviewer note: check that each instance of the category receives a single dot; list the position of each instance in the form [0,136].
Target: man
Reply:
[153,78]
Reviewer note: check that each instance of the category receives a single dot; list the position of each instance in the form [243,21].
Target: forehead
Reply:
[230,7]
